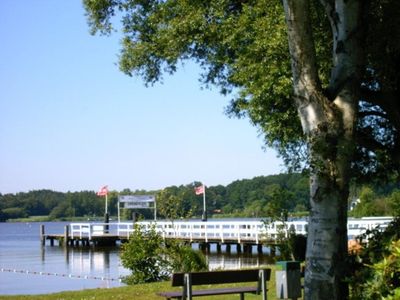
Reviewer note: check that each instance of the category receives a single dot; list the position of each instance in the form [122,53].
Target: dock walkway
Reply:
[242,234]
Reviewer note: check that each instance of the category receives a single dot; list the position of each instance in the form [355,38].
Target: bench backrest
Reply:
[220,277]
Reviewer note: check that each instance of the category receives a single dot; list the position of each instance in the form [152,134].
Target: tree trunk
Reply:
[327,232]
[328,124]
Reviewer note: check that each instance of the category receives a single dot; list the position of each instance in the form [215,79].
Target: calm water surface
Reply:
[28,268]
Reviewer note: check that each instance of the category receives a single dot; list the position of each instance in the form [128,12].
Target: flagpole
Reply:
[155,208]
[204,204]
[106,204]
[119,214]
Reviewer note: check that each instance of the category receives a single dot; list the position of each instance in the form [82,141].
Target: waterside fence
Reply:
[244,234]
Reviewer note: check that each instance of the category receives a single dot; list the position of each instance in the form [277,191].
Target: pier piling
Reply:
[66,235]
[42,235]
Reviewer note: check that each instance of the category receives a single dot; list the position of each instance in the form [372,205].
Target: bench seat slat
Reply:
[218,277]
[209,292]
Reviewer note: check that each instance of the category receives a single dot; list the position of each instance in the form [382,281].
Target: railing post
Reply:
[42,235]
[66,235]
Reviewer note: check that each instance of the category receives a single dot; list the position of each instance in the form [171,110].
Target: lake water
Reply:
[26,267]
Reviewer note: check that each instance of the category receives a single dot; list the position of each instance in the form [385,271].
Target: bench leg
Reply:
[241,296]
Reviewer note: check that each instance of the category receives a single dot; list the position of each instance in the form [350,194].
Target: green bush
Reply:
[151,259]
[14,213]
[384,279]
[184,258]
[144,256]
[376,270]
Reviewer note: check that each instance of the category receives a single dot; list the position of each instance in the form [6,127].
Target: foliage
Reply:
[242,47]
[376,269]
[373,203]
[144,256]
[15,212]
[184,258]
[292,246]
[394,201]
[310,74]
[385,283]
[172,203]
[261,196]
[366,206]
[150,259]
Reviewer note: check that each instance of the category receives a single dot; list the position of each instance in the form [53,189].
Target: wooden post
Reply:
[273,250]
[42,235]
[66,235]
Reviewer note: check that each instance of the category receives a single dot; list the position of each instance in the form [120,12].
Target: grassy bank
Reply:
[48,219]
[136,292]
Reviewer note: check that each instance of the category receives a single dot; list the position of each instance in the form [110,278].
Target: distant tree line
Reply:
[263,196]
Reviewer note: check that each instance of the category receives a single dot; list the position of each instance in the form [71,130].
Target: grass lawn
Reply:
[136,292]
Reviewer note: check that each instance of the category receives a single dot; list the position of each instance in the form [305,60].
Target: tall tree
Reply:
[318,78]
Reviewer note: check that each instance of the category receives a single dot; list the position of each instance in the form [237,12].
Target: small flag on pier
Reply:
[199,190]
[103,191]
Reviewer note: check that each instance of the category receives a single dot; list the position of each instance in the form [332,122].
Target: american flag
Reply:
[199,190]
[103,191]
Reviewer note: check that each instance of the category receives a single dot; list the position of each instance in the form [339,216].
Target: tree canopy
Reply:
[319,79]
[242,47]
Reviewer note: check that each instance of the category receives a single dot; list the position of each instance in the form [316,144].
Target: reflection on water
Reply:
[237,261]
[86,261]
[28,268]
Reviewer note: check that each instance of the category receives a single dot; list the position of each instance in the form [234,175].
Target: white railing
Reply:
[253,231]
[81,230]
[125,229]
[88,230]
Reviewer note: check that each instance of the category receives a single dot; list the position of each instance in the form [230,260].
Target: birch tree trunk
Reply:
[328,120]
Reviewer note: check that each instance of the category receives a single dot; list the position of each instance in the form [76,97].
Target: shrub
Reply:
[144,256]
[151,259]
[376,269]
[185,259]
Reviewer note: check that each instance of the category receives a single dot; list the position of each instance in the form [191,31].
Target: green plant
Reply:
[151,259]
[184,258]
[291,246]
[384,282]
[376,270]
[144,256]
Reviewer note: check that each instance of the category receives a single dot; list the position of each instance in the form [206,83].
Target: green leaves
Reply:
[143,255]
[151,259]
[241,46]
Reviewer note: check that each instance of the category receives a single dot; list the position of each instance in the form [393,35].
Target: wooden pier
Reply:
[242,236]
[73,240]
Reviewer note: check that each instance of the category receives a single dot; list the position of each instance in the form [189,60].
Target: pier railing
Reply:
[223,231]
[193,231]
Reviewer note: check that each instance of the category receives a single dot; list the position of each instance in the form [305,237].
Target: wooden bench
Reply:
[187,280]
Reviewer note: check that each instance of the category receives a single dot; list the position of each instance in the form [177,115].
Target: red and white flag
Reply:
[103,191]
[199,190]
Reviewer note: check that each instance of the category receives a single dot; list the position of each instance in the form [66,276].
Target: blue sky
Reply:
[71,121]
